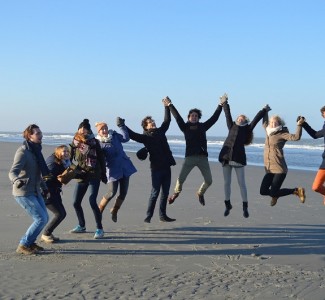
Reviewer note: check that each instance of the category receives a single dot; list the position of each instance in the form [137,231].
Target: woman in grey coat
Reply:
[26,176]
[275,165]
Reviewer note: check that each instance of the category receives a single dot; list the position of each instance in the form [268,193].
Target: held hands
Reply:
[104,178]
[300,120]
[267,107]
[223,99]
[120,122]
[166,101]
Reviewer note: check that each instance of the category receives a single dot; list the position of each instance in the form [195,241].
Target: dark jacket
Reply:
[316,135]
[195,133]
[233,148]
[156,142]
[56,169]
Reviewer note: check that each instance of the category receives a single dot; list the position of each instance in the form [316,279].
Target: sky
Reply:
[65,60]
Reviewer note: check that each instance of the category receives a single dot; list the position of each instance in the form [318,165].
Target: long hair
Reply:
[58,153]
[29,131]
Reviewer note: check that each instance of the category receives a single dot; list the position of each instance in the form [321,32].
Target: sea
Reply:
[305,154]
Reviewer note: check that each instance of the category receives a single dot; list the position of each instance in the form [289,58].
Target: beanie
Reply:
[85,124]
[100,125]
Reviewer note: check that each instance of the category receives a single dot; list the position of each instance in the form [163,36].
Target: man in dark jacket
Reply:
[196,153]
[161,159]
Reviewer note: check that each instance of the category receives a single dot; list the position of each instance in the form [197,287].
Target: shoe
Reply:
[245,210]
[36,247]
[21,249]
[172,198]
[114,216]
[300,192]
[78,229]
[55,238]
[99,233]
[47,239]
[201,199]
[228,208]
[166,219]
[147,219]
[274,200]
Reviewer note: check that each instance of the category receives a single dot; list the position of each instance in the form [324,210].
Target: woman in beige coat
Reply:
[275,165]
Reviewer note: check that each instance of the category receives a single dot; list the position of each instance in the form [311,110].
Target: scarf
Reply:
[88,150]
[271,131]
[105,139]
[37,150]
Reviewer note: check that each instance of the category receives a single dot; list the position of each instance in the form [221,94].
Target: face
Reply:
[273,123]
[83,131]
[103,131]
[65,154]
[241,119]
[193,117]
[323,114]
[37,136]
[150,124]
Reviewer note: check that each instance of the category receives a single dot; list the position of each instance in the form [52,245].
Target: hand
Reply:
[223,99]
[19,183]
[300,120]
[104,178]
[166,101]
[267,107]
[120,122]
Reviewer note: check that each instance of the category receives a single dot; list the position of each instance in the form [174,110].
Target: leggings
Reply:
[271,185]
[240,173]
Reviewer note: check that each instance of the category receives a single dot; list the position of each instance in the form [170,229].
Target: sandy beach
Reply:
[277,253]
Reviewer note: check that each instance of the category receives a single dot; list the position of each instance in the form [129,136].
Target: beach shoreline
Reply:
[277,253]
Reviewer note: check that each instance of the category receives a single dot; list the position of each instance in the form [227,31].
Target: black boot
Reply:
[245,209]
[228,208]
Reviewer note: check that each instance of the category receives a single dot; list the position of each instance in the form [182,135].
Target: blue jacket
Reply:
[118,164]
[316,135]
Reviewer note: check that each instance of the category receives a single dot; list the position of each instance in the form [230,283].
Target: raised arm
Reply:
[259,116]
[313,133]
[179,120]
[124,135]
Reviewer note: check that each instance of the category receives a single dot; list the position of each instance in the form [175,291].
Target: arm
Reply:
[229,120]
[257,118]
[140,138]
[294,137]
[179,120]
[265,120]
[313,133]
[124,136]
[167,119]
[18,164]
[214,118]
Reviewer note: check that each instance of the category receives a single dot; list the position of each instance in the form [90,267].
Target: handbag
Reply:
[68,174]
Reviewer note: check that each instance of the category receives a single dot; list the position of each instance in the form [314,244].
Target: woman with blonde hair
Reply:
[57,163]
[274,162]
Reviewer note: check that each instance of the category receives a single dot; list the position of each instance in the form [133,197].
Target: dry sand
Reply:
[277,253]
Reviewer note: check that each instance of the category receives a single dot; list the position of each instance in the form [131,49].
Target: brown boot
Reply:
[115,208]
[102,204]
[300,192]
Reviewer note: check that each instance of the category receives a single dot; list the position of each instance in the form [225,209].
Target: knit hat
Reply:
[100,125]
[85,124]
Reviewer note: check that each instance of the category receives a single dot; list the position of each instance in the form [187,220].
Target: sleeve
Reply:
[228,116]
[265,120]
[257,118]
[293,137]
[214,118]
[167,119]
[140,138]
[313,133]
[17,166]
[124,135]
[179,120]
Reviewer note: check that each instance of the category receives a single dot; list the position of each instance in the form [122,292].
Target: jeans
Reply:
[240,173]
[113,186]
[79,193]
[159,179]
[35,207]
[189,163]
[271,185]
[55,205]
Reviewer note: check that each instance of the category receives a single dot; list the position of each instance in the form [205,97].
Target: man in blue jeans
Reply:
[161,159]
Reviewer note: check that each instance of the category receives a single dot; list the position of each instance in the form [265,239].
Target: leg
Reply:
[93,189]
[124,186]
[204,167]
[165,186]
[155,189]
[266,183]
[35,207]
[318,184]
[240,174]
[112,189]
[79,193]
[227,183]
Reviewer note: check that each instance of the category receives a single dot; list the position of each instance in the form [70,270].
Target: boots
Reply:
[300,192]
[115,208]
[102,204]
[245,210]
[228,208]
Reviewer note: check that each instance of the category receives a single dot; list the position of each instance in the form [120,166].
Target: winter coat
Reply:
[316,135]
[233,148]
[55,169]
[274,161]
[26,169]
[195,133]
[155,141]
[118,164]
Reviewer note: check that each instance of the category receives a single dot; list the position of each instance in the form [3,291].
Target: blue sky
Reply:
[65,60]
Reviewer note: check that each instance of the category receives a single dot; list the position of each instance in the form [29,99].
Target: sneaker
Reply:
[172,198]
[166,219]
[36,247]
[47,239]
[99,233]
[21,249]
[274,200]
[201,199]
[147,220]
[300,192]
[78,229]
